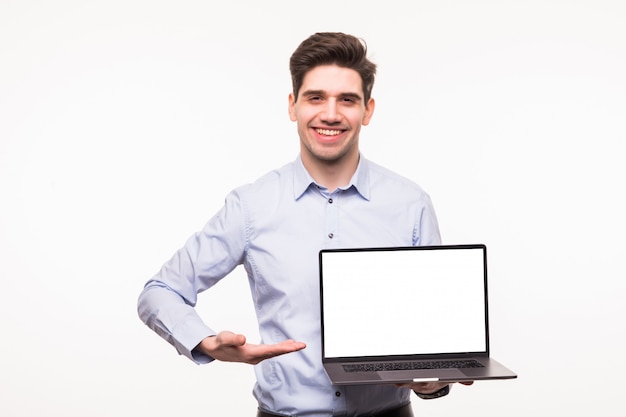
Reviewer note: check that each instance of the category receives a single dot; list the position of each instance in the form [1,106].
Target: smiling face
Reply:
[329,112]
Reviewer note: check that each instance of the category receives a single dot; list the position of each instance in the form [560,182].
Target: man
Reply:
[329,197]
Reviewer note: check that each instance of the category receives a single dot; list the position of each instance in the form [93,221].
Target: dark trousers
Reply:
[404,411]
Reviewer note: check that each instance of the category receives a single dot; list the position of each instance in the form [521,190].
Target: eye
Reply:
[349,100]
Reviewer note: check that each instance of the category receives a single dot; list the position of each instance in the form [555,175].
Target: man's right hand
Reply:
[230,347]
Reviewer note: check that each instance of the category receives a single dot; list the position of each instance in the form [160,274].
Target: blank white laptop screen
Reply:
[403,302]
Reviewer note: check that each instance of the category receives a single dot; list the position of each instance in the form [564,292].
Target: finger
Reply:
[231,339]
[293,345]
[281,348]
[261,352]
[423,387]
[239,340]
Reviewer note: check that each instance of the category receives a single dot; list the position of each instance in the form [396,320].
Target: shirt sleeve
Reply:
[426,230]
[166,304]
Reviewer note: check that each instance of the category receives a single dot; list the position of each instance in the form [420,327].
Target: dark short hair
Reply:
[328,48]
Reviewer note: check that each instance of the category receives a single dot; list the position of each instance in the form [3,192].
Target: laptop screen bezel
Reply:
[424,356]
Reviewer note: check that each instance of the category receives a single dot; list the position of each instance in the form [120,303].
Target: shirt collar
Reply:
[302,180]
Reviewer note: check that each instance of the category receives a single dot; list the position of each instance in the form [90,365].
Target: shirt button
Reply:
[330,235]
[337,394]
[330,201]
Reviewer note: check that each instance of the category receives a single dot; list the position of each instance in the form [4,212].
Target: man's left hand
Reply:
[428,387]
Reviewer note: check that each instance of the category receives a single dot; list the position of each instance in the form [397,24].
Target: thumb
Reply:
[239,340]
[232,339]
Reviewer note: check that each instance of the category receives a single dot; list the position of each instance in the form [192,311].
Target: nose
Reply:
[330,113]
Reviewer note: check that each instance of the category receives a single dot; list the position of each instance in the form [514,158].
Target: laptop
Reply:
[406,314]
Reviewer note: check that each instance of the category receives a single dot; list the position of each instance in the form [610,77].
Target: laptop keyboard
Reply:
[411,365]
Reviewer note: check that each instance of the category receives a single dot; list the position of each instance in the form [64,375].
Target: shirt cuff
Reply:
[189,333]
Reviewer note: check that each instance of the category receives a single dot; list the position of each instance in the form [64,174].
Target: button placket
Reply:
[332,215]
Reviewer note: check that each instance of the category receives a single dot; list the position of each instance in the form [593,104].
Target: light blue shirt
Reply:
[275,228]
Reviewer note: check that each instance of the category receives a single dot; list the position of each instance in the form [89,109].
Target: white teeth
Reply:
[328,132]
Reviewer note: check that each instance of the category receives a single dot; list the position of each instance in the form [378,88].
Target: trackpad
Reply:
[441,374]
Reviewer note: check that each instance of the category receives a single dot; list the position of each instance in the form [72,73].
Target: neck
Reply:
[331,174]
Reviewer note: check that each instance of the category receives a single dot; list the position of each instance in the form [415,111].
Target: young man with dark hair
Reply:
[329,197]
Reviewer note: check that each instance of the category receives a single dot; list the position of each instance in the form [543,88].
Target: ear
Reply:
[369,111]
[292,110]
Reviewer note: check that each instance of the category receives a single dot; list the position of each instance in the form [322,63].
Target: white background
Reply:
[123,124]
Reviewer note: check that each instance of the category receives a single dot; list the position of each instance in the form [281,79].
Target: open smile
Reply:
[328,132]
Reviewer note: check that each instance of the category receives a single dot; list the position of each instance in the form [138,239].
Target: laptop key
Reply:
[411,365]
